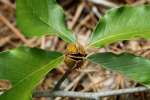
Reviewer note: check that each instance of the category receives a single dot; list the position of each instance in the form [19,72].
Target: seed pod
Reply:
[74,56]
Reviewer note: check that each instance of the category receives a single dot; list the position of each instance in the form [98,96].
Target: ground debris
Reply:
[82,16]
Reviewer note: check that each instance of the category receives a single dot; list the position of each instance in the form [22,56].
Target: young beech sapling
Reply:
[25,67]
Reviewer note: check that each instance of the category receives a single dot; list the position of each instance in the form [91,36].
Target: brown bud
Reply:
[75,55]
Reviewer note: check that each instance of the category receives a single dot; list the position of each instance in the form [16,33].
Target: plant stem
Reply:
[58,85]
[89,95]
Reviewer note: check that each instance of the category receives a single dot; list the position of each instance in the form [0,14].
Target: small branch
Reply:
[104,2]
[15,30]
[7,2]
[89,95]
[97,13]
[97,98]
[75,81]
[77,15]
[58,85]
[43,40]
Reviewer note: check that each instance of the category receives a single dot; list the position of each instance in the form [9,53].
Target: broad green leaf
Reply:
[122,23]
[42,17]
[134,67]
[24,68]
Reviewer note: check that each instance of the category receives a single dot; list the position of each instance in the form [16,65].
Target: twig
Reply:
[104,2]
[57,86]
[75,81]
[43,40]
[139,2]
[97,13]
[97,98]
[7,2]
[77,15]
[89,95]
[16,31]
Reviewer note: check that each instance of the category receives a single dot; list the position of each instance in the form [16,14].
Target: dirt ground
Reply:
[82,17]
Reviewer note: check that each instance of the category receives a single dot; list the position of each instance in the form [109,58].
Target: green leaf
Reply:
[122,23]
[25,68]
[134,67]
[42,17]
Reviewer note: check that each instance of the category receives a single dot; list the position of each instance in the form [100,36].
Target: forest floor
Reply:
[82,17]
